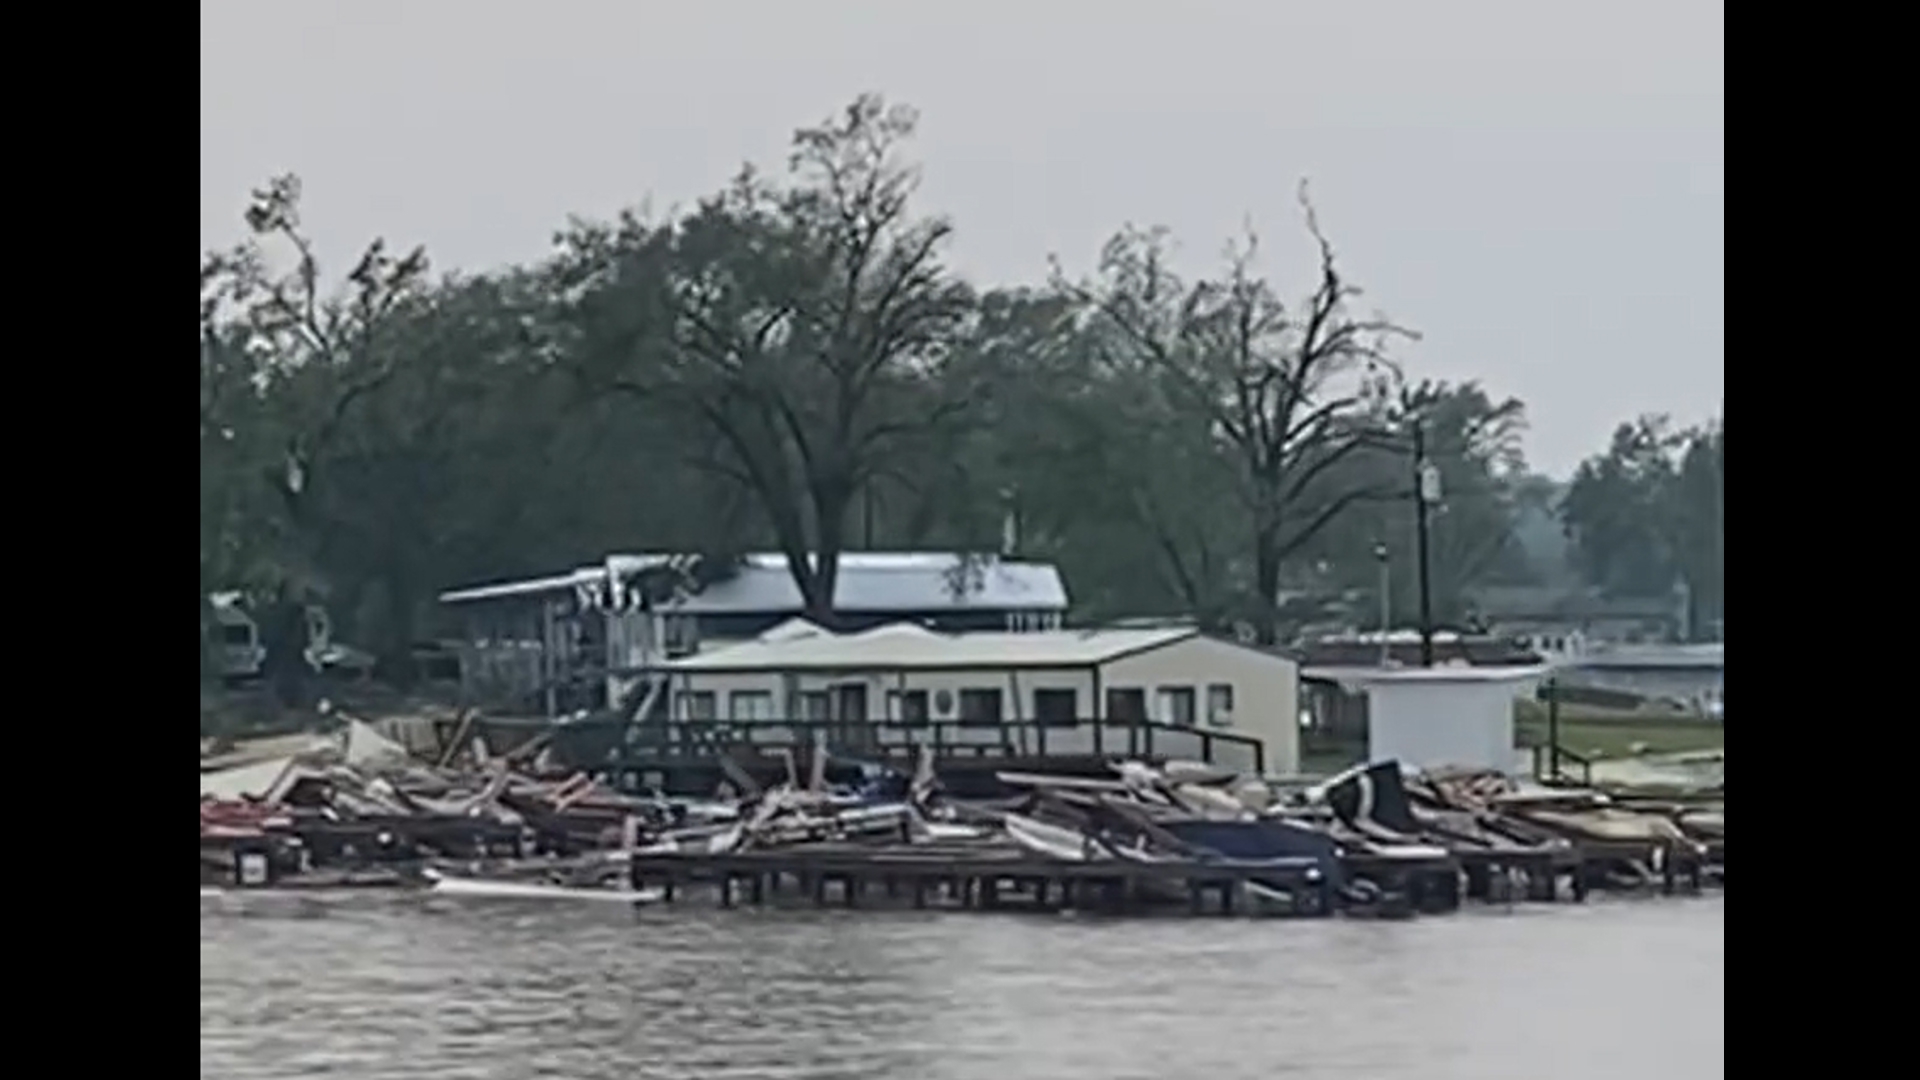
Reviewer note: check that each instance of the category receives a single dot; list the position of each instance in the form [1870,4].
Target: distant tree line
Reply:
[791,365]
[1648,516]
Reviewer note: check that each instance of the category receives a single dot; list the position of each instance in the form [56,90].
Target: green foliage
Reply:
[790,363]
[1650,514]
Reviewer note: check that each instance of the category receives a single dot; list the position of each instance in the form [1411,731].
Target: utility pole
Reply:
[1386,601]
[1426,491]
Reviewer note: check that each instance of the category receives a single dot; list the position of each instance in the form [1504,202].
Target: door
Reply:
[851,730]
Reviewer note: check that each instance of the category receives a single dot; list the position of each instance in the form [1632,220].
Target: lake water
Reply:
[382,987]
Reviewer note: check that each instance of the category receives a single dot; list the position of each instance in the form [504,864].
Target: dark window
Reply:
[813,705]
[1220,705]
[908,707]
[699,705]
[980,707]
[1056,708]
[236,634]
[1126,706]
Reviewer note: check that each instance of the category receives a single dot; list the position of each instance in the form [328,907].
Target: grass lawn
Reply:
[1615,733]
[1587,732]
[1615,738]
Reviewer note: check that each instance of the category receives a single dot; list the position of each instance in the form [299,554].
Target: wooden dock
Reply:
[984,878]
[975,877]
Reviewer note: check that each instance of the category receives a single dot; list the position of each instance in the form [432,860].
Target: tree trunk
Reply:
[1266,578]
[831,504]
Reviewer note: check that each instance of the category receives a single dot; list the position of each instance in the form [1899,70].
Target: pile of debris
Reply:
[356,808]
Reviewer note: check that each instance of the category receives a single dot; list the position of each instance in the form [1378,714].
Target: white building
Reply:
[1442,715]
[1047,692]
[526,636]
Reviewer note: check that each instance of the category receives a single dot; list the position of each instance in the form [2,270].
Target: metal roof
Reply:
[904,647]
[525,587]
[1461,673]
[869,581]
[1645,657]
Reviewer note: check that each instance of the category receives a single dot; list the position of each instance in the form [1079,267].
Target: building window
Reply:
[813,705]
[908,707]
[1056,708]
[698,705]
[1176,705]
[1126,705]
[749,705]
[1220,705]
[980,707]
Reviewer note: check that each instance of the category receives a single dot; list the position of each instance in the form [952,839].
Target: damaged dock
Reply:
[993,880]
[1151,837]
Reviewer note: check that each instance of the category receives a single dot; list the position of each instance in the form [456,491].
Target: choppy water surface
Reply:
[374,988]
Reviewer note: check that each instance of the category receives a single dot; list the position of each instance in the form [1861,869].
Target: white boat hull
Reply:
[515,890]
[1052,841]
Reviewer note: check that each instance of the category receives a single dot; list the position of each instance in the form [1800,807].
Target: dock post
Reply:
[757,889]
[1194,895]
[1229,896]
[919,893]
[819,886]
[1669,873]
[851,886]
[1041,892]
[1543,886]
[990,893]
[1479,880]
[666,889]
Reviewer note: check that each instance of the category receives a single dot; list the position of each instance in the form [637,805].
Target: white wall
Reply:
[1452,722]
[1265,694]
[1265,691]
[1016,698]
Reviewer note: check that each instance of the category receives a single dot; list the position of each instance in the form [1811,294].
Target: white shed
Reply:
[1046,692]
[1440,716]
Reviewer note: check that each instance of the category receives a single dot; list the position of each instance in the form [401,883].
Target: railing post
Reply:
[1099,737]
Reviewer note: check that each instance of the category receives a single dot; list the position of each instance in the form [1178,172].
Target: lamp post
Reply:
[1426,491]
[1386,599]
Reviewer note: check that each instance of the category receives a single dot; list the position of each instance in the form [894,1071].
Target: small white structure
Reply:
[1067,689]
[1440,716]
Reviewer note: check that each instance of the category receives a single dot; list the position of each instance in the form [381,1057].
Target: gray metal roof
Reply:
[1648,657]
[869,582]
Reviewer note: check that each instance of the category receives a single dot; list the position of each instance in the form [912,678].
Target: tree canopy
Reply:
[791,364]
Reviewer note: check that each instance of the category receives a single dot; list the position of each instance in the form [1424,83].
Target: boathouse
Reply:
[1043,693]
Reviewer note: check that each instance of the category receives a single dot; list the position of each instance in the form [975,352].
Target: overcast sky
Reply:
[1536,185]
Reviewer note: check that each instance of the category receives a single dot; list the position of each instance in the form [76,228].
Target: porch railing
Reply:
[900,740]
